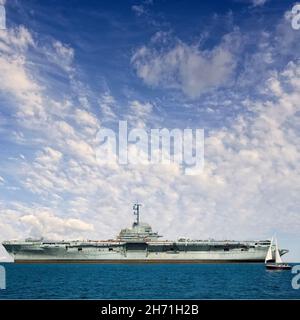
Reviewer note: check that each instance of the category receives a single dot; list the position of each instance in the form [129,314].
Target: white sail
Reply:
[277,255]
[269,255]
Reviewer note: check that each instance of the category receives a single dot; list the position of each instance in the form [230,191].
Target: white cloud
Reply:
[185,67]
[139,113]
[85,118]
[40,221]
[44,223]
[15,78]
[257,3]
[249,187]
[81,149]
[138,9]
[108,105]
[49,156]
[16,39]
[14,74]
[64,52]
[64,56]
[65,129]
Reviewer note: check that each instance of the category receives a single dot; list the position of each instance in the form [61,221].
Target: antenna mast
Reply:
[136,212]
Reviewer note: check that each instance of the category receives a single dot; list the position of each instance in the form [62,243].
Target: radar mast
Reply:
[136,212]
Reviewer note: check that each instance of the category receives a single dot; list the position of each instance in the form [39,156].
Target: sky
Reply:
[70,68]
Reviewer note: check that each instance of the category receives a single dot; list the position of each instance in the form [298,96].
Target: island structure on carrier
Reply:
[140,244]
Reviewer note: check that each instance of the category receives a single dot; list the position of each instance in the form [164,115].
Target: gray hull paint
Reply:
[138,244]
[119,253]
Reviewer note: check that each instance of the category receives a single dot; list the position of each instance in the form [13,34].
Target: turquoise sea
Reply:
[170,281]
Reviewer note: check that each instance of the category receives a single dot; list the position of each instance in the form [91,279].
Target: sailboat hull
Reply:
[278,266]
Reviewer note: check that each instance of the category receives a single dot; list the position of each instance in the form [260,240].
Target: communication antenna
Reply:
[136,212]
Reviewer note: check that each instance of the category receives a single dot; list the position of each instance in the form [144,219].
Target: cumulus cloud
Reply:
[63,56]
[256,158]
[249,187]
[44,223]
[15,75]
[40,221]
[64,52]
[85,118]
[138,9]
[17,38]
[107,106]
[185,67]
[139,113]
[257,3]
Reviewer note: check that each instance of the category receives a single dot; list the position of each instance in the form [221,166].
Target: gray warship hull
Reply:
[138,244]
[158,252]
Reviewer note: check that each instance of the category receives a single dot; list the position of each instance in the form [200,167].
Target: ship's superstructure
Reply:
[139,244]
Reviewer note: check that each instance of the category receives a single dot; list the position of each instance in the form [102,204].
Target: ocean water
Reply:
[170,281]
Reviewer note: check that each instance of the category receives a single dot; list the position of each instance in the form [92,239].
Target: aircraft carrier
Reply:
[139,244]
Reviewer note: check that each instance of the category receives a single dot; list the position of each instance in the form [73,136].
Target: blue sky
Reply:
[68,68]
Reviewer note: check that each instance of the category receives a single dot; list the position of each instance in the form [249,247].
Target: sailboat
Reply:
[278,264]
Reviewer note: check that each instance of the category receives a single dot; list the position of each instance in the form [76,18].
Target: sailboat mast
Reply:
[277,254]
